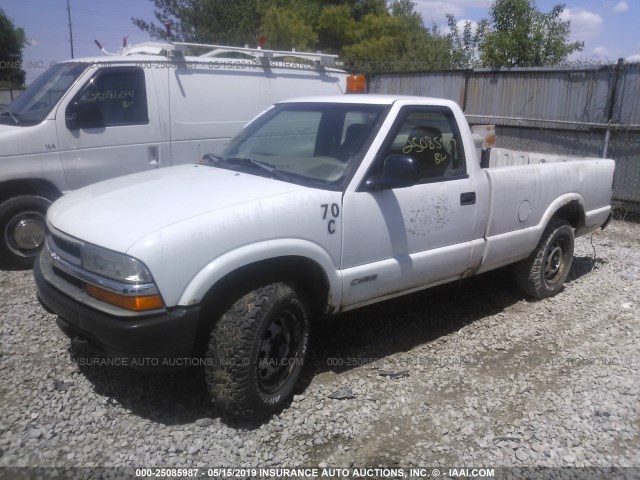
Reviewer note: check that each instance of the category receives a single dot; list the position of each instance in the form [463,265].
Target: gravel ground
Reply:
[466,374]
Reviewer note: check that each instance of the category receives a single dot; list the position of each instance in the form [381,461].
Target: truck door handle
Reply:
[468,198]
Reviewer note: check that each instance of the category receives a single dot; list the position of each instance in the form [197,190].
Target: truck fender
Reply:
[562,207]
[219,268]
[509,247]
[570,206]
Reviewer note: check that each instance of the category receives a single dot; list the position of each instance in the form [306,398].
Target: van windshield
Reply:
[315,144]
[43,94]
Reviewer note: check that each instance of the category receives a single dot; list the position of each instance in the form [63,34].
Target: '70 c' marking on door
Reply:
[332,210]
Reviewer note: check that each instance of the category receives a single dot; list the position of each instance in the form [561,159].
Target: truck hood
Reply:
[116,213]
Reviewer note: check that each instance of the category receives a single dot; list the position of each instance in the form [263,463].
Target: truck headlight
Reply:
[113,265]
[121,280]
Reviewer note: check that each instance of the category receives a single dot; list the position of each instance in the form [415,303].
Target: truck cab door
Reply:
[110,126]
[397,239]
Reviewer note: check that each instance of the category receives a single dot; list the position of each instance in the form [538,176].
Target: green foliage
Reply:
[12,42]
[373,35]
[370,35]
[286,29]
[396,43]
[465,45]
[521,36]
[206,21]
[336,28]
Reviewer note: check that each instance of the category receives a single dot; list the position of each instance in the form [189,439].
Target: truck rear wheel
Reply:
[543,273]
[22,227]
[256,352]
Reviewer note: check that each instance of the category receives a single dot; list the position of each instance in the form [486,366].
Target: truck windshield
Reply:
[43,94]
[316,144]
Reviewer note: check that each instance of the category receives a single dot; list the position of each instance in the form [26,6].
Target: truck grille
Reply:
[66,249]
[72,249]
[68,252]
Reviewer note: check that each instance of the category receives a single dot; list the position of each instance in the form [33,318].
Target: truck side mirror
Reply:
[398,171]
[83,115]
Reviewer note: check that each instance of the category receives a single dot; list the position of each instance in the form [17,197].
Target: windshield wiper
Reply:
[273,172]
[211,158]
[13,117]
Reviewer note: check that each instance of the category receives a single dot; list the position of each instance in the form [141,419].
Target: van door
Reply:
[110,127]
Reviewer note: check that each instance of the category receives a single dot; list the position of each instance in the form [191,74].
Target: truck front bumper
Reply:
[157,341]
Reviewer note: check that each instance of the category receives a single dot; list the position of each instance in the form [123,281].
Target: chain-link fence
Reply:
[590,111]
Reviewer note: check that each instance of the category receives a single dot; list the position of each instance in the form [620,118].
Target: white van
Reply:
[87,120]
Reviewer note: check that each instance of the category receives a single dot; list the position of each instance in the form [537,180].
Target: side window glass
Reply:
[113,97]
[431,137]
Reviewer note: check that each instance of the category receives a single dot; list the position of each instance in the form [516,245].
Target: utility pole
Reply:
[70,31]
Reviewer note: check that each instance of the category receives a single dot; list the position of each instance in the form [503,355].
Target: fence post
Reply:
[467,72]
[612,103]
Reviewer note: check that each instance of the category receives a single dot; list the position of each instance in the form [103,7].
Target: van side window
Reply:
[429,135]
[114,96]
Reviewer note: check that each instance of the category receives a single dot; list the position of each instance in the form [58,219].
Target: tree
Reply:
[396,41]
[12,42]
[465,45]
[369,34]
[336,28]
[206,21]
[285,29]
[519,35]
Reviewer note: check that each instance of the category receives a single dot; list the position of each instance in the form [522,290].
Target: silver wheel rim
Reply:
[25,233]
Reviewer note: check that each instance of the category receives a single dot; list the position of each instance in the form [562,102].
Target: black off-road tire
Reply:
[543,273]
[22,227]
[256,352]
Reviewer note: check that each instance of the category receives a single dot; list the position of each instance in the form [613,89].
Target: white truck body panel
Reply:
[242,212]
[503,157]
[523,199]
[192,225]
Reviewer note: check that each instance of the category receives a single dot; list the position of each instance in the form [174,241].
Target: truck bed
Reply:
[525,191]
[504,157]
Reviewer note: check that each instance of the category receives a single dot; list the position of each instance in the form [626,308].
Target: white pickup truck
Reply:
[319,205]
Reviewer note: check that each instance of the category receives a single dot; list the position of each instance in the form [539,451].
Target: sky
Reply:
[609,28]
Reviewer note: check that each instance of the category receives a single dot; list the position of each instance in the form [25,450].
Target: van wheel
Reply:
[256,352]
[23,227]
[543,273]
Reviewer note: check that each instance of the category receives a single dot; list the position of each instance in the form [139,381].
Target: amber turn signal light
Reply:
[135,304]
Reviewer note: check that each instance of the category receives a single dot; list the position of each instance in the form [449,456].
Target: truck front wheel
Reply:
[256,352]
[543,273]
[22,226]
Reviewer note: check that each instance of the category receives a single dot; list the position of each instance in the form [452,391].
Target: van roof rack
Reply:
[261,55]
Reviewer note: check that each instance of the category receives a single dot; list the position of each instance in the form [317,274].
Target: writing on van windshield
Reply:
[110,95]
